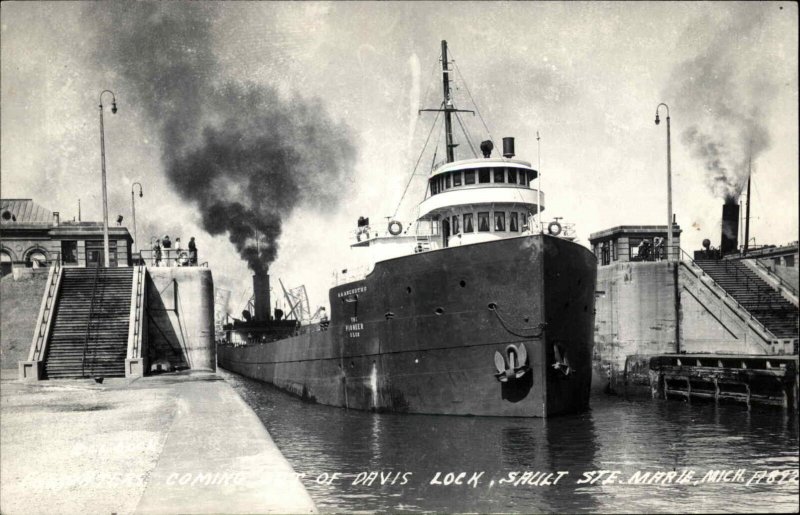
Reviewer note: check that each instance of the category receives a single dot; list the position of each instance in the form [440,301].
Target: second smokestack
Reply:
[261,296]
[508,147]
[729,241]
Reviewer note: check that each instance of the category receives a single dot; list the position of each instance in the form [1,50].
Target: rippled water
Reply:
[623,435]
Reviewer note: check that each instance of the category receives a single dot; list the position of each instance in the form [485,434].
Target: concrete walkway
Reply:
[176,443]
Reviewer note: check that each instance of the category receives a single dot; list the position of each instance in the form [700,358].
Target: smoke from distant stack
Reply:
[721,103]
[244,155]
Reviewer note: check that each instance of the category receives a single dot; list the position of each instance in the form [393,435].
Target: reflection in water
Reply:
[626,436]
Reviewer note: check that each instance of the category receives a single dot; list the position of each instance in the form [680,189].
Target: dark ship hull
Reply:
[419,334]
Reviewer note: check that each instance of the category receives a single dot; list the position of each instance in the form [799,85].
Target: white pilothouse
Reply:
[467,201]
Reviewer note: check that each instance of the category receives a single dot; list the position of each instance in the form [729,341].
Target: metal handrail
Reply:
[772,274]
[740,275]
[46,311]
[169,257]
[89,322]
[751,319]
[137,307]
[762,301]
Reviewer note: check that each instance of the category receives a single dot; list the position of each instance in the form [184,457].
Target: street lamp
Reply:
[133,210]
[669,183]
[103,168]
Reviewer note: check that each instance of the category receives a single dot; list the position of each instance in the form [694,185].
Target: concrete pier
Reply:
[175,443]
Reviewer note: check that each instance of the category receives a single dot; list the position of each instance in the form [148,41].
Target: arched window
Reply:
[36,259]
[5,263]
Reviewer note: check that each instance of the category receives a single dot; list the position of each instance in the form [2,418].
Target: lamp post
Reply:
[133,210]
[103,168]
[669,183]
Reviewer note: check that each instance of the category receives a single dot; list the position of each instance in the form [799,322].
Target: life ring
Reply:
[554,228]
[395,228]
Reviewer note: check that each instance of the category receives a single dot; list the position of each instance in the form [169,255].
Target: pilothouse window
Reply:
[512,176]
[483,175]
[499,175]
[447,181]
[468,222]
[499,221]
[483,221]
[469,177]
[457,179]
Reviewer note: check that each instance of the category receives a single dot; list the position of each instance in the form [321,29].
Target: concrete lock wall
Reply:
[180,318]
[709,324]
[636,315]
[20,299]
[655,308]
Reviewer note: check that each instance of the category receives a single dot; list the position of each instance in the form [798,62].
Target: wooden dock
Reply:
[750,379]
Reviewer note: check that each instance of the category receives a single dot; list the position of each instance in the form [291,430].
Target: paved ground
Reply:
[182,443]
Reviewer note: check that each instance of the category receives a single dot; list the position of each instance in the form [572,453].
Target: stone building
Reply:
[32,236]
[626,243]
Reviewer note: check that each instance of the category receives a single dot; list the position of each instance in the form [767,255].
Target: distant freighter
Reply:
[471,312]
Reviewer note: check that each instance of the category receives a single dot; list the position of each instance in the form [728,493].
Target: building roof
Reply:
[23,210]
[22,217]
[633,230]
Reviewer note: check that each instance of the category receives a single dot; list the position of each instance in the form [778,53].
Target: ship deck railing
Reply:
[350,274]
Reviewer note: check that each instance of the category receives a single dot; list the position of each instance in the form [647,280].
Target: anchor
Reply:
[561,364]
[514,365]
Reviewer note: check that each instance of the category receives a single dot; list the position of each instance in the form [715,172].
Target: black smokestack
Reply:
[508,147]
[261,296]
[243,154]
[729,241]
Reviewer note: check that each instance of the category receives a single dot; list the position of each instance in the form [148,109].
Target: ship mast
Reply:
[747,216]
[447,106]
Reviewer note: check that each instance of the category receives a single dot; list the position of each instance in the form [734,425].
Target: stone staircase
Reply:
[767,305]
[89,336]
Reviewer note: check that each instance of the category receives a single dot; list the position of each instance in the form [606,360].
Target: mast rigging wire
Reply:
[417,164]
[464,81]
[466,136]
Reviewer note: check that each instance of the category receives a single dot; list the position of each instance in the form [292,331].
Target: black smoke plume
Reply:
[245,155]
[720,94]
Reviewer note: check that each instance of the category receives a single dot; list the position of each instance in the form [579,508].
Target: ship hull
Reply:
[420,334]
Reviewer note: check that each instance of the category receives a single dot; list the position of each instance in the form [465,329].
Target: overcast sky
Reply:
[586,76]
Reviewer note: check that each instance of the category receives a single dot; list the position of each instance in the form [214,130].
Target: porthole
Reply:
[492,306]
[439,311]
[408,289]
[463,283]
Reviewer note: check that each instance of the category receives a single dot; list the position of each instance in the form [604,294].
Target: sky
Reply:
[304,116]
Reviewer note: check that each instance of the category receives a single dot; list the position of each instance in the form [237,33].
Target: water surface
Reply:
[627,436]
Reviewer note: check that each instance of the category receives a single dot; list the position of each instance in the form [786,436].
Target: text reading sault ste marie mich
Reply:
[530,478]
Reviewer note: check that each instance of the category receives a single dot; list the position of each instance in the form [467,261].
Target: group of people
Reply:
[180,257]
[651,251]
